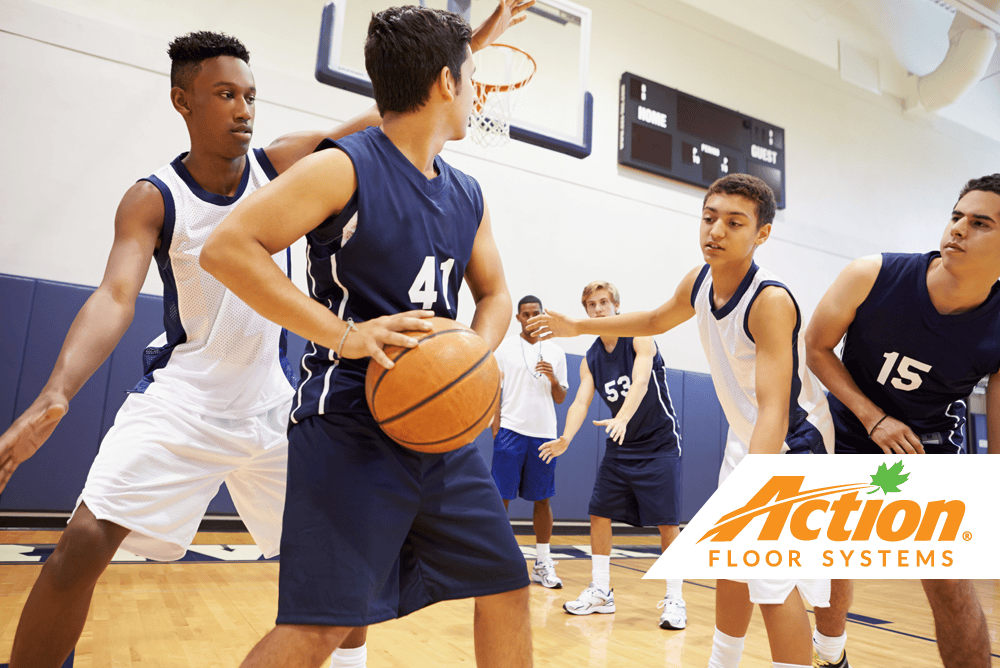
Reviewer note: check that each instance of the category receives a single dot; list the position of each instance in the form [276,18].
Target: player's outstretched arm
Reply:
[239,251]
[288,149]
[507,14]
[834,314]
[486,280]
[575,416]
[97,328]
[642,368]
[772,321]
[993,415]
[671,313]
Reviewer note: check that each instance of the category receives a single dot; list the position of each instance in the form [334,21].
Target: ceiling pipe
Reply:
[971,48]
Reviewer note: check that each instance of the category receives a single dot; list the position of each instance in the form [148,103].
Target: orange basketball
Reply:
[439,395]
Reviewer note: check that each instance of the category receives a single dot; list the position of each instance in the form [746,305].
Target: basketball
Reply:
[439,395]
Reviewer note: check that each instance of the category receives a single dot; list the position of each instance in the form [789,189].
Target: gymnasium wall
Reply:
[85,111]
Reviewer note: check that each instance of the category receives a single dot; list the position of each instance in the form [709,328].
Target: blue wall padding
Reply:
[52,479]
[704,440]
[16,295]
[37,315]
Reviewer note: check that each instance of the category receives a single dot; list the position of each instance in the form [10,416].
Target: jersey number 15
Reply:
[908,380]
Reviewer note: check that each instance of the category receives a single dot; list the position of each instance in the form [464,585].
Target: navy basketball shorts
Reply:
[640,492]
[373,531]
[518,470]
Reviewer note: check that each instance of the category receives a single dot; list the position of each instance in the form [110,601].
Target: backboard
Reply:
[554,111]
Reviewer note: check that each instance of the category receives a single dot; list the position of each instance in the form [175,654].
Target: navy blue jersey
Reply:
[652,431]
[401,243]
[914,363]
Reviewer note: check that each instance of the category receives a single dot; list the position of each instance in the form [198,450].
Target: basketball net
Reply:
[501,72]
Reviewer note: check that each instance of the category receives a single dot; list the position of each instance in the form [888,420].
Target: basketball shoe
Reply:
[820,663]
[674,615]
[591,600]
[544,572]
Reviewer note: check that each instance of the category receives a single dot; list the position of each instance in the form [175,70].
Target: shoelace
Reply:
[663,602]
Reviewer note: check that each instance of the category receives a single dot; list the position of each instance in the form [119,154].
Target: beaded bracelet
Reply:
[350,326]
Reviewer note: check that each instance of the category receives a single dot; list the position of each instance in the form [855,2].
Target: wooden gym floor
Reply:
[209,614]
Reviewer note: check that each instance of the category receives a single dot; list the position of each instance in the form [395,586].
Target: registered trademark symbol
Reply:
[967,535]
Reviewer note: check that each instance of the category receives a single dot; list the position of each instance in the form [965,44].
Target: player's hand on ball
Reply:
[29,431]
[895,438]
[551,449]
[614,428]
[373,335]
[551,323]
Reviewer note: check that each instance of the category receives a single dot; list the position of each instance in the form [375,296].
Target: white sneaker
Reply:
[544,572]
[674,615]
[591,600]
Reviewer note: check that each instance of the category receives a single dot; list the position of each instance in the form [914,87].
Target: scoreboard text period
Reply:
[664,131]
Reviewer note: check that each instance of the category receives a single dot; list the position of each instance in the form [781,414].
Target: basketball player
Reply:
[748,322]
[639,479]
[207,385]
[373,531]
[921,332]
[534,376]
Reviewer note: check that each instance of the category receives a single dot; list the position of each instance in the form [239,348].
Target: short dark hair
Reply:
[750,187]
[529,299]
[405,51]
[990,184]
[189,51]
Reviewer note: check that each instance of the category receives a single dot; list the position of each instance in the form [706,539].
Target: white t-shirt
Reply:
[526,404]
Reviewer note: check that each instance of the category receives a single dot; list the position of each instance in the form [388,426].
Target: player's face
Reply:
[466,96]
[600,305]
[221,102]
[972,236]
[729,229]
[525,313]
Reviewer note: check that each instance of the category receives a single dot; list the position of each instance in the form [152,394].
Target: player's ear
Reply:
[446,84]
[763,233]
[179,98]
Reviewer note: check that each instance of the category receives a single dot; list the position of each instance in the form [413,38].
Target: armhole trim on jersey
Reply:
[265,163]
[697,283]
[760,288]
[734,301]
[162,254]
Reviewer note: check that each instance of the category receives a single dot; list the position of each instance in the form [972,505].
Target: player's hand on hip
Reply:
[29,432]
[508,13]
[895,438]
[551,449]
[371,336]
[614,428]
[551,323]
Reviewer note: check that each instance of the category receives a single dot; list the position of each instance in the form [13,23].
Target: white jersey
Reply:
[526,404]
[218,356]
[732,358]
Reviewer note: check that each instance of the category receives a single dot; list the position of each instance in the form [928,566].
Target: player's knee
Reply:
[82,554]
[516,599]
[949,597]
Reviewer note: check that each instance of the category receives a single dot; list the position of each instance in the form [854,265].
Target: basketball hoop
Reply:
[501,72]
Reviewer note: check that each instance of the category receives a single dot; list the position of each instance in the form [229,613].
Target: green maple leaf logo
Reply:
[889,479]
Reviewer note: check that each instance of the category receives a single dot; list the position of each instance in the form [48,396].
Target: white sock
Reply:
[350,658]
[726,651]
[674,588]
[541,552]
[829,649]
[600,566]
[790,665]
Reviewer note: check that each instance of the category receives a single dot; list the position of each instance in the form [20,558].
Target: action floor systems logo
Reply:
[844,516]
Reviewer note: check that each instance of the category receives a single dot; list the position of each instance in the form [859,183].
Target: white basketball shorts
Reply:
[815,592]
[159,466]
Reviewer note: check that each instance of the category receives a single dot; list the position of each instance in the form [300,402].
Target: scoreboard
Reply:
[666,132]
